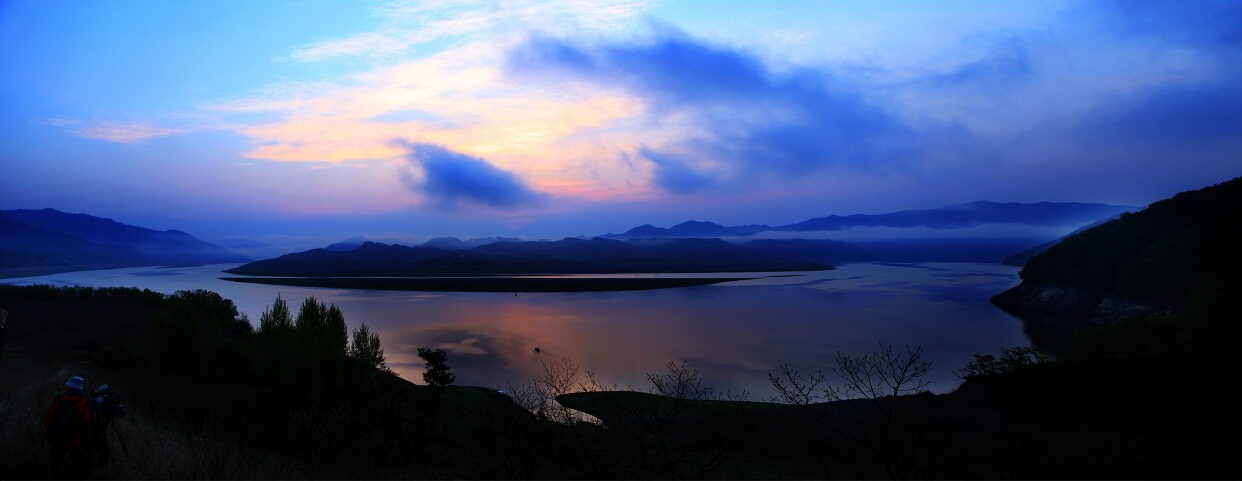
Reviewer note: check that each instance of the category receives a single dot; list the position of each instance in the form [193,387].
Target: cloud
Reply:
[749,123]
[1174,116]
[450,178]
[1212,24]
[1004,65]
[407,26]
[115,131]
[676,175]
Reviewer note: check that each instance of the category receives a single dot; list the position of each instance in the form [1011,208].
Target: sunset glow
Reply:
[596,116]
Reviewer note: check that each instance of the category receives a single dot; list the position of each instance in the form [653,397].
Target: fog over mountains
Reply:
[957,216]
[976,232]
[47,240]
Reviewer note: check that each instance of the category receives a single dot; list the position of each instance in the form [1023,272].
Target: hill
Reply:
[47,241]
[1151,261]
[981,231]
[566,256]
[968,215]
[687,229]
[209,397]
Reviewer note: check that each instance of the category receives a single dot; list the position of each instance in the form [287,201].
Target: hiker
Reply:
[4,319]
[67,424]
[107,406]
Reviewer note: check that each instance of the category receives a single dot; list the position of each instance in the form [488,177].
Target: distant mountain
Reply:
[48,240]
[688,229]
[567,256]
[348,244]
[368,259]
[455,244]
[956,216]
[909,240]
[969,215]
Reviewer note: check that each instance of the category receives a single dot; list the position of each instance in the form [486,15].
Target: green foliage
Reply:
[307,356]
[1011,359]
[437,374]
[1163,253]
[276,321]
[12,294]
[365,348]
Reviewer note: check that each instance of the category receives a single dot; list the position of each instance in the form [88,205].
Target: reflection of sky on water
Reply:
[734,333]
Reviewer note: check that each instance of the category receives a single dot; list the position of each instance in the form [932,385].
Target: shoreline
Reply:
[490,284]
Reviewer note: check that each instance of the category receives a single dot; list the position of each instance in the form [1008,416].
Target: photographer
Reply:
[107,406]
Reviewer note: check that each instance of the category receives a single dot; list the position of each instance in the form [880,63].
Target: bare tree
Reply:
[879,426]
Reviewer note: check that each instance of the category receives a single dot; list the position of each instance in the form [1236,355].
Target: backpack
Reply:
[66,421]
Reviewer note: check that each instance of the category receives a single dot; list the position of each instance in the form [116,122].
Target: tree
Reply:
[1012,358]
[365,348]
[890,434]
[437,374]
[276,321]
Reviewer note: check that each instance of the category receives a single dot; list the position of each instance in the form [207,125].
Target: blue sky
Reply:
[300,121]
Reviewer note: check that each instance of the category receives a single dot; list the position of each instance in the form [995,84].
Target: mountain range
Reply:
[957,216]
[566,256]
[47,241]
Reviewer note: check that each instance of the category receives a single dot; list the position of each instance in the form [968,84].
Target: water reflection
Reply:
[734,333]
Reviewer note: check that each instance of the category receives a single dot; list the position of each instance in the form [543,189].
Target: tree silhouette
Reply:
[437,374]
[365,348]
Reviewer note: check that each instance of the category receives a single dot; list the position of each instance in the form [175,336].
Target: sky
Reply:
[305,122]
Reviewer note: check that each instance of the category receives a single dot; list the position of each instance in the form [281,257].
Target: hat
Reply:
[103,388]
[75,382]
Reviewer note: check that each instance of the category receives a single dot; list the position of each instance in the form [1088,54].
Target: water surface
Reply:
[734,333]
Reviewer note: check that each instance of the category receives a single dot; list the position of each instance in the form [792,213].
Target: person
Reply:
[107,406]
[4,319]
[67,425]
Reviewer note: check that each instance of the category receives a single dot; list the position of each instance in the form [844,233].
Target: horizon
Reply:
[297,122]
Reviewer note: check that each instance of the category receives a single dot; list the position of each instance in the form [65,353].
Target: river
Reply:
[733,333]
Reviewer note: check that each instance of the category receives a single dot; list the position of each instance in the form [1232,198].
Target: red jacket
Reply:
[81,410]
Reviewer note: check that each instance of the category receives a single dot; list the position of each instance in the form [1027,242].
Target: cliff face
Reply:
[1144,263]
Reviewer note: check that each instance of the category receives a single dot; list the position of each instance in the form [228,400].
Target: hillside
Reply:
[955,233]
[1151,261]
[47,241]
[209,397]
[567,256]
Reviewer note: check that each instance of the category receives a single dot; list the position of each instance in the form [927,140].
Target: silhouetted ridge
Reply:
[968,215]
[689,228]
[566,256]
[1147,261]
[48,240]
[348,244]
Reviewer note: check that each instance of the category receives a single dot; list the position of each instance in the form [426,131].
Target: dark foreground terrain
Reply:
[202,404]
[1144,394]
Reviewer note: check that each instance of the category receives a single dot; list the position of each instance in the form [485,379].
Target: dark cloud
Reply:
[1203,23]
[452,177]
[765,125]
[675,175]
[1005,65]
[1174,115]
